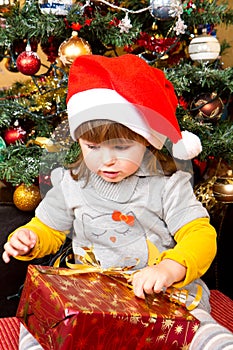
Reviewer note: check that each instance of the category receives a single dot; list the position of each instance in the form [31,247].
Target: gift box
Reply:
[96,311]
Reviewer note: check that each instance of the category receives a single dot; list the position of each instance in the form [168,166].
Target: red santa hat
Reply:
[127,90]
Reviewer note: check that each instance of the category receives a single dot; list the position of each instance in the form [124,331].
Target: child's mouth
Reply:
[110,174]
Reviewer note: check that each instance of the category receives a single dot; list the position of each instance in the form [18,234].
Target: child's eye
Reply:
[93,147]
[122,148]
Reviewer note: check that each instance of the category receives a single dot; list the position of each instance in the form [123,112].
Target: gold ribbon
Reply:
[196,300]
[89,264]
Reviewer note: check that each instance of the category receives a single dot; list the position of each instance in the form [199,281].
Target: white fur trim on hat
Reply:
[101,103]
[188,147]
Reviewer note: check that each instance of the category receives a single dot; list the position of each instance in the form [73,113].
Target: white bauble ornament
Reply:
[204,48]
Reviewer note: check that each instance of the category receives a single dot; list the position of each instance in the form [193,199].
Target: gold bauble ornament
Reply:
[204,193]
[26,198]
[223,188]
[73,48]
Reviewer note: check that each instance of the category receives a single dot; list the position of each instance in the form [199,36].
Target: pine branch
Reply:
[23,164]
[219,144]
[20,164]
[29,22]
[209,12]
[189,78]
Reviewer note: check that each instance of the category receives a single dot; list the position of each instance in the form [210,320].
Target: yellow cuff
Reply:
[195,249]
[48,242]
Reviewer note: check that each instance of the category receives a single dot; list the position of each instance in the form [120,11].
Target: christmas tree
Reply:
[177,37]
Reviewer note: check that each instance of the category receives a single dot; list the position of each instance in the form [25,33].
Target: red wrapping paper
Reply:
[97,312]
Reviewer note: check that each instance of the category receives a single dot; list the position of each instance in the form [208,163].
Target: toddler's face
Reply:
[112,160]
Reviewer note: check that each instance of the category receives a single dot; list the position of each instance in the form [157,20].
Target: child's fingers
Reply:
[23,239]
[9,251]
[148,280]
[158,286]
[17,243]
[138,285]
[33,239]
[6,257]
[20,243]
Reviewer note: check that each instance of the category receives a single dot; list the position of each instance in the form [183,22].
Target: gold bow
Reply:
[89,264]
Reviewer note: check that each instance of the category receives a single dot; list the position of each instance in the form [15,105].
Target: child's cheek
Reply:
[92,162]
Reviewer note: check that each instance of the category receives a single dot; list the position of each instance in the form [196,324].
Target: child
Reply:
[118,198]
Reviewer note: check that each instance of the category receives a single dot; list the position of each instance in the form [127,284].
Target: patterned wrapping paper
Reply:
[97,312]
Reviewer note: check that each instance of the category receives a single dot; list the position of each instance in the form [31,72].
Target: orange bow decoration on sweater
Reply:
[118,216]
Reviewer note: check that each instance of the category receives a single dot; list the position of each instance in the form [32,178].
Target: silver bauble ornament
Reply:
[162,9]
[204,48]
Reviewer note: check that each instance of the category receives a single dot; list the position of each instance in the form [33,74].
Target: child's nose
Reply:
[108,156]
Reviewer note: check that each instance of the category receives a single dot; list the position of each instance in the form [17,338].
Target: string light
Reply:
[125,24]
[88,3]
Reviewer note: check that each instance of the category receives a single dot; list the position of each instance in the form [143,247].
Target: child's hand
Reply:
[154,278]
[20,243]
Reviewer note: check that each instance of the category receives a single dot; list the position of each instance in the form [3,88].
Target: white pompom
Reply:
[188,147]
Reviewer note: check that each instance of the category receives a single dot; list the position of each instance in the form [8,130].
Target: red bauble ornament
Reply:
[28,62]
[14,134]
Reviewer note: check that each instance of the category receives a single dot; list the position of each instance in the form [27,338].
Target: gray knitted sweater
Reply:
[159,205]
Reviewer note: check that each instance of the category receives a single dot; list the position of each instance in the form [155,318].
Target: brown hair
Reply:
[99,131]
